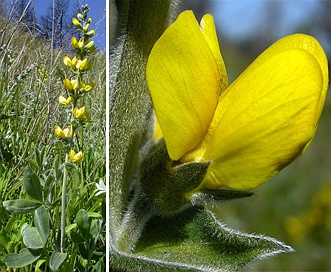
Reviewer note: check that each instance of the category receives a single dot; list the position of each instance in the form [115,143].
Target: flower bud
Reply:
[89,45]
[88,87]
[76,23]
[91,33]
[86,27]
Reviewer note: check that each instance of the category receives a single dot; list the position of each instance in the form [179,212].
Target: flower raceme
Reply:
[250,130]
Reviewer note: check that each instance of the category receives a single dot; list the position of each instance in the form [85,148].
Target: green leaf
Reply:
[76,237]
[32,238]
[31,183]
[57,258]
[83,250]
[25,257]
[48,186]
[83,224]
[56,170]
[194,240]
[21,205]
[41,221]
[38,156]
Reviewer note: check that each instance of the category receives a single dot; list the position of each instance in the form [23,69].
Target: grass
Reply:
[31,77]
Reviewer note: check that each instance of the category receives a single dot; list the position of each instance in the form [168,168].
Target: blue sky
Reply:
[239,18]
[97,12]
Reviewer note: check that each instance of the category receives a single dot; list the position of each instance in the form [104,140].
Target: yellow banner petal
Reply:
[208,30]
[266,118]
[184,83]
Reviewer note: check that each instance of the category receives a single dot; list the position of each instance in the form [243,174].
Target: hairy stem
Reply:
[140,24]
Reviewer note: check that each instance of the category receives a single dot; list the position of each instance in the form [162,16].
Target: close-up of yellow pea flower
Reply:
[249,130]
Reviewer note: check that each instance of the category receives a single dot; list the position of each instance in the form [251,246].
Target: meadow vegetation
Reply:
[31,80]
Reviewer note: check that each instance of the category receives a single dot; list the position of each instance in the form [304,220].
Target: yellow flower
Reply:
[91,33]
[86,27]
[75,157]
[87,87]
[250,130]
[76,23]
[81,114]
[74,43]
[65,101]
[89,45]
[80,43]
[64,134]
[83,65]
[67,61]
[71,85]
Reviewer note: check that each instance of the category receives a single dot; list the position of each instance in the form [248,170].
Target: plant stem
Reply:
[138,213]
[63,205]
[130,104]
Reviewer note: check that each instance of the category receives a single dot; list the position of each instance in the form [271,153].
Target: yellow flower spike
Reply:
[64,134]
[67,61]
[65,101]
[81,114]
[263,120]
[183,84]
[74,43]
[75,157]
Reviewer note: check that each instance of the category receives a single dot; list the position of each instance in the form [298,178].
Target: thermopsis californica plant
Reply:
[48,200]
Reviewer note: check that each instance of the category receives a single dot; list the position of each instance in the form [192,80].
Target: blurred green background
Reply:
[295,206]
